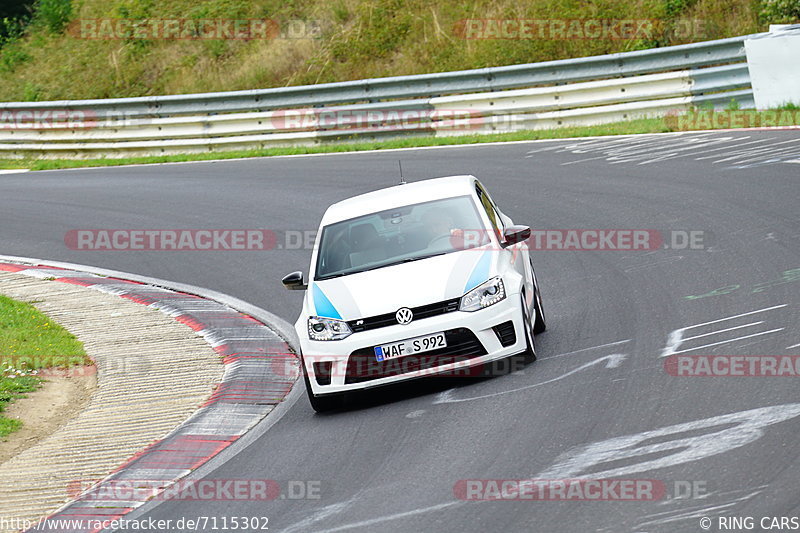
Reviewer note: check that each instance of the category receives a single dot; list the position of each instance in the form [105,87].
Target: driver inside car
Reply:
[442,230]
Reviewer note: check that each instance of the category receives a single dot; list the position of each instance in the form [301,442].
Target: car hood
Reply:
[387,289]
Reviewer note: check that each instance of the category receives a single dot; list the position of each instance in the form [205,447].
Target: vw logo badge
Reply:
[404,315]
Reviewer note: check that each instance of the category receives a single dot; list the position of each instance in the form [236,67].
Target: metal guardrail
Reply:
[549,94]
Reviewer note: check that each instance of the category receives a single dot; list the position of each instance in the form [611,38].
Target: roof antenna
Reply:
[402,179]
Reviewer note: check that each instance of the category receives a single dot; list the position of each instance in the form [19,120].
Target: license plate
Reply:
[425,343]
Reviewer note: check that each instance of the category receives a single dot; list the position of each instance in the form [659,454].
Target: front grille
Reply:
[388,319]
[505,333]
[462,344]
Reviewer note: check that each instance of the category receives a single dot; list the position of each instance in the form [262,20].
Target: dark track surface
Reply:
[392,465]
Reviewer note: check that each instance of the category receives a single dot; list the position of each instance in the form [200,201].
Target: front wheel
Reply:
[529,355]
[540,324]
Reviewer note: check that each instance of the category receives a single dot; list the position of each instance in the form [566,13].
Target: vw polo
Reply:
[422,278]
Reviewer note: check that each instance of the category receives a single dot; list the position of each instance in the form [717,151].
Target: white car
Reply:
[424,278]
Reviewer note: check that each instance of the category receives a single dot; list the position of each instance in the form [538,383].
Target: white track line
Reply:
[617,343]
[735,316]
[612,361]
[729,340]
[722,330]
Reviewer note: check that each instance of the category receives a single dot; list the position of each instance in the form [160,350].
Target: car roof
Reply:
[398,196]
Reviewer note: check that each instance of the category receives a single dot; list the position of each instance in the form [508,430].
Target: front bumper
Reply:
[343,377]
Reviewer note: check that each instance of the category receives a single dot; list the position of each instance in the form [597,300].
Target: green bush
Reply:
[54,14]
[674,8]
[13,18]
[31,92]
[12,55]
[780,11]
[10,29]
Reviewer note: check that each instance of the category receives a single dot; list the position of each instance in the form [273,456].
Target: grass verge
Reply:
[701,120]
[29,342]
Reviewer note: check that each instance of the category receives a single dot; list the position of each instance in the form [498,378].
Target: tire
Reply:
[322,404]
[540,324]
[529,355]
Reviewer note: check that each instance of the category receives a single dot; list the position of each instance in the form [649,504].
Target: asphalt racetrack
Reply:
[597,404]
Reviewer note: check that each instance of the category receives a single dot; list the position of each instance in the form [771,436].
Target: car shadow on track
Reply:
[431,384]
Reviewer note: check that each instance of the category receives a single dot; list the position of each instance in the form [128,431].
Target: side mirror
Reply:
[294,281]
[516,234]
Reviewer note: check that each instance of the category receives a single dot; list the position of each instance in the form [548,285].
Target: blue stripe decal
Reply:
[480,273]
[323,306]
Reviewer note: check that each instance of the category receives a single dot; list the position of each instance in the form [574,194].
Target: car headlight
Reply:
[327,329]
[484,295]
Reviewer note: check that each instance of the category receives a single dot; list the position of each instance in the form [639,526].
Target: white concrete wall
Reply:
[774,64]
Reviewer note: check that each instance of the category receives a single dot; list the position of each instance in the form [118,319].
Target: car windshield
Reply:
[399,235]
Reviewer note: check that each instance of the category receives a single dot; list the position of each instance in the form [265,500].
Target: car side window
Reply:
[491,212]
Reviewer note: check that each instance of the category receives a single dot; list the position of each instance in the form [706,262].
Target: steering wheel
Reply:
[439,238]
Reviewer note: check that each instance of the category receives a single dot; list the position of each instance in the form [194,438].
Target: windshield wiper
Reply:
[331,276]
[409,259]
[399,262]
